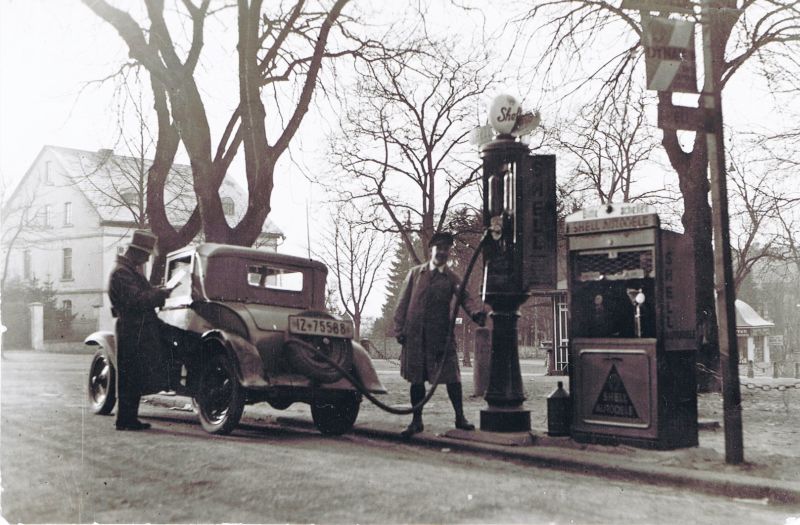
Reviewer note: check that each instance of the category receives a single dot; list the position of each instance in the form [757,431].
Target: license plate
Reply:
[299,324]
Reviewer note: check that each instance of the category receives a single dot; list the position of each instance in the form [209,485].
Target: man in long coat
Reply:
[138,328]
[422,326]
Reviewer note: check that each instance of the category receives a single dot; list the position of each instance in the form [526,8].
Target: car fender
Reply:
[107,341]
[365,370]
[247,361]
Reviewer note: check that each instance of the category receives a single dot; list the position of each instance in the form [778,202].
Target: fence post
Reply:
[797,370]
[750,371]
[776,369]
[37,325]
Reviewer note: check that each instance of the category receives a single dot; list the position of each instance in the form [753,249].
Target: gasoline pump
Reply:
[632,329]
[519,213]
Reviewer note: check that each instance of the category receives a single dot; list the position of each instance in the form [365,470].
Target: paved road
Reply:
[61,464]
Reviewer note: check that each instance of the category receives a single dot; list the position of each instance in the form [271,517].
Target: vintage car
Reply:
[245,326]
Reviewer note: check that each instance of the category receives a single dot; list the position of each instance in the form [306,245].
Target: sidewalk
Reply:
[771,420]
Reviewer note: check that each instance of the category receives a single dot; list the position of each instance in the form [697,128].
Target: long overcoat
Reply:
[426,331]
[142,364]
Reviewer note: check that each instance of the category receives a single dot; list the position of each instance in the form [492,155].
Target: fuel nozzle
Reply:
[637,299]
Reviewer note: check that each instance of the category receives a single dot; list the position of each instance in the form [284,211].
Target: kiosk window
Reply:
[606,285]
[613,265]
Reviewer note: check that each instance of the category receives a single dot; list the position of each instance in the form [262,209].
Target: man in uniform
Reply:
[422,326]
[138,329]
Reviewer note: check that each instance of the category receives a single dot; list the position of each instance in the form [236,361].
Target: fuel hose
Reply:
[364,391]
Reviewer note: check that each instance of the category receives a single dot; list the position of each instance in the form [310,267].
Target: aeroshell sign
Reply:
[612,217]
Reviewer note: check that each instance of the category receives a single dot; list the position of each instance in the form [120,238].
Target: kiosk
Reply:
[632,329]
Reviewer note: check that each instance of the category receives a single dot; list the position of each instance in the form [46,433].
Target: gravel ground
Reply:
[771,421]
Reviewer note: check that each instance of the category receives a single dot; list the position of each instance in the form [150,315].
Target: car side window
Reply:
[181,269]
[273,278]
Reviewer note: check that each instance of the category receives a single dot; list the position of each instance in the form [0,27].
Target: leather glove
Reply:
[401,339]
[479,318]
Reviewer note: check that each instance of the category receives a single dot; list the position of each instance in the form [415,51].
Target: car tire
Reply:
[102,385]
[335,414]
[220,397]
[304,361]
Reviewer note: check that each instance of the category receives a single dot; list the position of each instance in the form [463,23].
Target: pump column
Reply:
[519,212]
[504,161]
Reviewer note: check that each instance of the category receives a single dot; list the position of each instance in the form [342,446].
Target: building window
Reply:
[67,214]
[66,307]
[228,207]
[131,198]
[26,264]
[67,264]
[47,216]
[48,176]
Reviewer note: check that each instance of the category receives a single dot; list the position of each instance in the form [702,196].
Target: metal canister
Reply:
[559,412]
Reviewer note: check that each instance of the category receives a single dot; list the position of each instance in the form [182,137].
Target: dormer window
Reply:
[228,207]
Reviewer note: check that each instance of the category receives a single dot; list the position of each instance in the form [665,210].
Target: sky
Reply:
[51,51]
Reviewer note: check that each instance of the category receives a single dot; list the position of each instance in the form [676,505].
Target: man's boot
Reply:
[417,395]
[455,393]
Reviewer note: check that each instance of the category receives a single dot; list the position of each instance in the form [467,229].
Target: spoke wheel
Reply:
[220,399]
[102,385]
[335,413]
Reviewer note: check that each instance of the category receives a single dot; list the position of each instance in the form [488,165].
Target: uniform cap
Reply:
[441,239]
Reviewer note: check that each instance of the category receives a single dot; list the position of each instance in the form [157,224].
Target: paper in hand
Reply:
[175,280]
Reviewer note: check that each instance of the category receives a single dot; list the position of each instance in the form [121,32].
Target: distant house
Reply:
[73,212]
[752,333]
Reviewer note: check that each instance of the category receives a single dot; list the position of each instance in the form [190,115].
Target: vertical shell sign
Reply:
[503,113]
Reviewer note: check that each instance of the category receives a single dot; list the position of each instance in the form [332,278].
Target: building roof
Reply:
[746,317]
[105,177]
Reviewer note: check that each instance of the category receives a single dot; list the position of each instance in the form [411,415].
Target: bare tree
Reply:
[611,142]
[355,254]
[280,44]
[404,132]
[767,29]
[753,212]
[23,222]
[118,182]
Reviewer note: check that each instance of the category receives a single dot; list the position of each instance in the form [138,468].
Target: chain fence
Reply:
[766,388]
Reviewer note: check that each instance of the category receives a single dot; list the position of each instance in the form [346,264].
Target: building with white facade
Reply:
[74,211]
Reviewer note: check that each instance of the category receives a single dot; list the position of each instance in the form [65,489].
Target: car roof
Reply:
[211,250]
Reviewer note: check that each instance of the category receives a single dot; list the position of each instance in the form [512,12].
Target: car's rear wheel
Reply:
[102,387]
[220,398]
[335,413]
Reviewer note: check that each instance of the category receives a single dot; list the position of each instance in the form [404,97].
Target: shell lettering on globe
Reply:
[503,113]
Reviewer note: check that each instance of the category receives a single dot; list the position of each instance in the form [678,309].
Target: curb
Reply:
[577,461]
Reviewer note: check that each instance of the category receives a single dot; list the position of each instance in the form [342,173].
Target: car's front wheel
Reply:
[335,413]
[220,398]
[102,387]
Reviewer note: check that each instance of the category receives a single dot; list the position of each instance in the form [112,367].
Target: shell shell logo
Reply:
[503,113]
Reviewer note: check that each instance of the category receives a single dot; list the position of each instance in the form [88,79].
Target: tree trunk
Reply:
[692,169]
